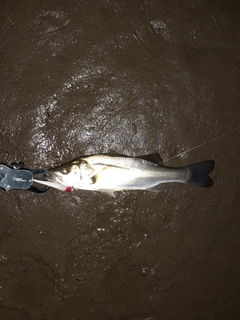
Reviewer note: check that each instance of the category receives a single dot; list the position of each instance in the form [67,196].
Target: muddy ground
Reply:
[137,77]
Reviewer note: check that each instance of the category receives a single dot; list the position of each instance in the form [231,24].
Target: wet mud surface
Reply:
[137,77]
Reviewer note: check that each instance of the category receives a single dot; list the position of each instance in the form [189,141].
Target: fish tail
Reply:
[197,173]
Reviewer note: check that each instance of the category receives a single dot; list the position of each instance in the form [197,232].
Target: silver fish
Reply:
[114,172]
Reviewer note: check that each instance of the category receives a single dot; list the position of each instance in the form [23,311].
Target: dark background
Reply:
[137,77]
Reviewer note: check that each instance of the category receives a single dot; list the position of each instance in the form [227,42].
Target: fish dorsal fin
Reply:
[152,157]
[156,188]
[112,151]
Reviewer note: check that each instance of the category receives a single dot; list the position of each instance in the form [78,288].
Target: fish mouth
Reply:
[47,176]
[50,176]
[52,180]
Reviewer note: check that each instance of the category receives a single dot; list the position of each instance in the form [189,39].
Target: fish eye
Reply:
[64,170]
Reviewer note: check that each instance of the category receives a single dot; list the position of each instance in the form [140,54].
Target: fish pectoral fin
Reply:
[152,157]
[156,188]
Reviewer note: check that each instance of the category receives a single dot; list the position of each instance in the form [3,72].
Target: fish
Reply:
[115,172]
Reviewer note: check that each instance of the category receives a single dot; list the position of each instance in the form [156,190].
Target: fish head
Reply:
[66,175]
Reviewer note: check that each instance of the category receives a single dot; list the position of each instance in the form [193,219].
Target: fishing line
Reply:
[202,144]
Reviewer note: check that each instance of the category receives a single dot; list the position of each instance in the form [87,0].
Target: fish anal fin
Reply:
[152,157]
[108,192]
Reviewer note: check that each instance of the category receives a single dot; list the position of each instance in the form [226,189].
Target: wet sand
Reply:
[136,77]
